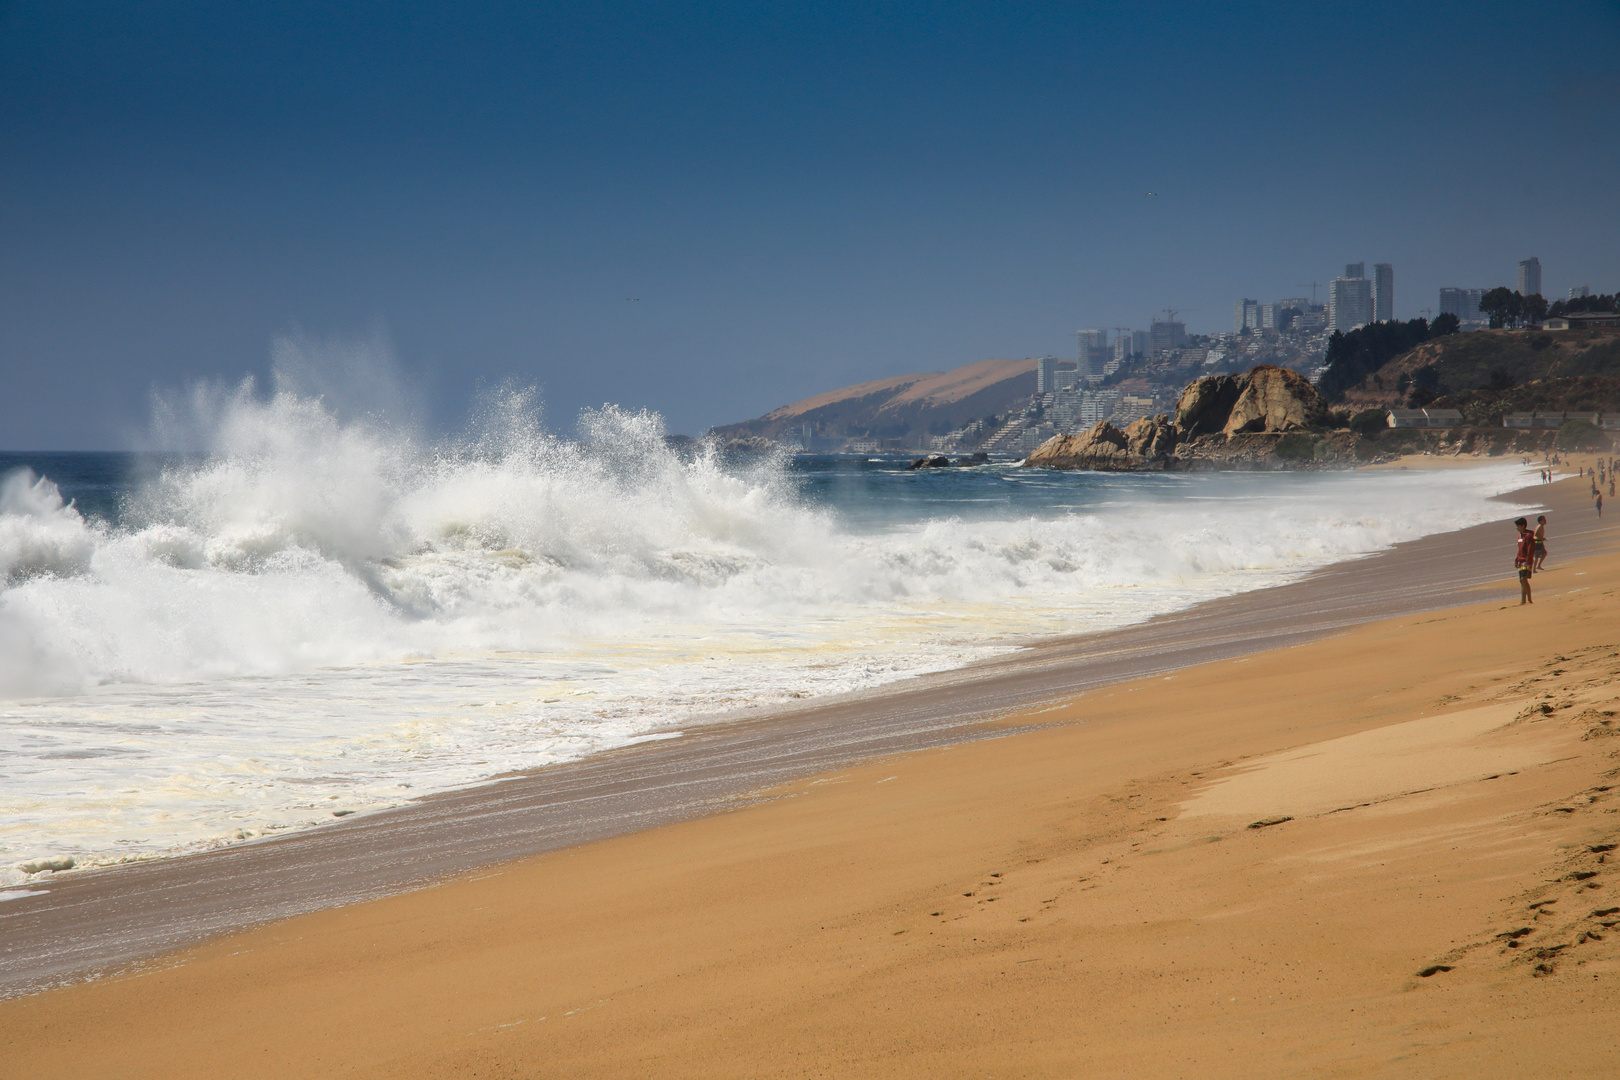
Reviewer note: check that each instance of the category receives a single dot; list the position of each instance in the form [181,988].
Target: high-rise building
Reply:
[1350,302]
[1164,336]
[1383,292]
[1245,316]
[1463,303]
[1122,346]
[1529,276]
[1094,354]
[1355,270]
[1046,374]
[1141,343]
[1272,315]
[1576,292]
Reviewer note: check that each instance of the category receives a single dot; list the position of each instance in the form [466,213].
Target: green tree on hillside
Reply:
[1583,303]
[1352,357]
[1507,308]
[1503,306]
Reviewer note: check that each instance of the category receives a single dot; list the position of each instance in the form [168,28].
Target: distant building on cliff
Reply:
[1383,292]
[1530,276]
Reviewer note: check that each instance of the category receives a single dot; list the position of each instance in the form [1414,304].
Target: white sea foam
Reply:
[325,616]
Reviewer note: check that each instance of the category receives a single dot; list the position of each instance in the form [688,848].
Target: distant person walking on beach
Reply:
[1524,558]
[1541,543]
[1600,504]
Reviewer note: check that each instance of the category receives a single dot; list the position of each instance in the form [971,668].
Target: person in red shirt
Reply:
[1524,559]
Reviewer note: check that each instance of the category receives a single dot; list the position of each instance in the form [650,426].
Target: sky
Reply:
[712,209]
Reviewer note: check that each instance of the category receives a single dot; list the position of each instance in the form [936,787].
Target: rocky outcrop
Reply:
[930,461]
[1221,421]
[1108,449]
[1152,437]
[1274,399]
[1206,403]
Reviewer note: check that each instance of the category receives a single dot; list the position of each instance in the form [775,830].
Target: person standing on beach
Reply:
[1540,551]
[1600,504]
[1524,557]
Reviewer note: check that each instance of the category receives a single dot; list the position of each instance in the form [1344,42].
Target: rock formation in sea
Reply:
[1233,421]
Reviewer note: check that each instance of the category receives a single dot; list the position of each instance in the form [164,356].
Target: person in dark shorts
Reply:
[1541,543]
[1524,558]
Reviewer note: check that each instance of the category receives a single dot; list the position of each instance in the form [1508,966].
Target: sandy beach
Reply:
[1380,850]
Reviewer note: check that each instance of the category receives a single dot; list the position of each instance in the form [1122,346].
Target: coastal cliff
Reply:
[1266,418]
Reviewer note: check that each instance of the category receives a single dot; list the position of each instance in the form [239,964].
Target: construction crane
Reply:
[1312,285]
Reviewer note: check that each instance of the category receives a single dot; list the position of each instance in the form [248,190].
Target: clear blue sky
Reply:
[798,196]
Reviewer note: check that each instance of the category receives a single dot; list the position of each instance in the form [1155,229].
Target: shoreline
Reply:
[1379,852]
[122,914]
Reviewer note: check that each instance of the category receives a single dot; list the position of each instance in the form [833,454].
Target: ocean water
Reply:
[323,616]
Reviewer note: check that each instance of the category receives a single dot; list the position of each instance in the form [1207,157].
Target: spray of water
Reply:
[329,611]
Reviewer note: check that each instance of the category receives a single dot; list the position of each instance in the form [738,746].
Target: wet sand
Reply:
[885,920]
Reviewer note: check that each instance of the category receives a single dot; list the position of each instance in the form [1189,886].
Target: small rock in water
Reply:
[49,862]
[930,461]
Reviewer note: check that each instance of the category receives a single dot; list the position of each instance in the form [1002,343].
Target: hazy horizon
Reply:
[711,214]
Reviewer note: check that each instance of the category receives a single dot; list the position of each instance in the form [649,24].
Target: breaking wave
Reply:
[323,614]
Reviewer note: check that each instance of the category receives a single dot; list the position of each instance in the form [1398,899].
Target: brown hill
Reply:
[1461,362]
[902,404]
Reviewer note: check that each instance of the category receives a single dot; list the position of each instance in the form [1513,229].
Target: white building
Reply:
[1052,374]
[1530,276]
[1350,302]
[1096,406]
